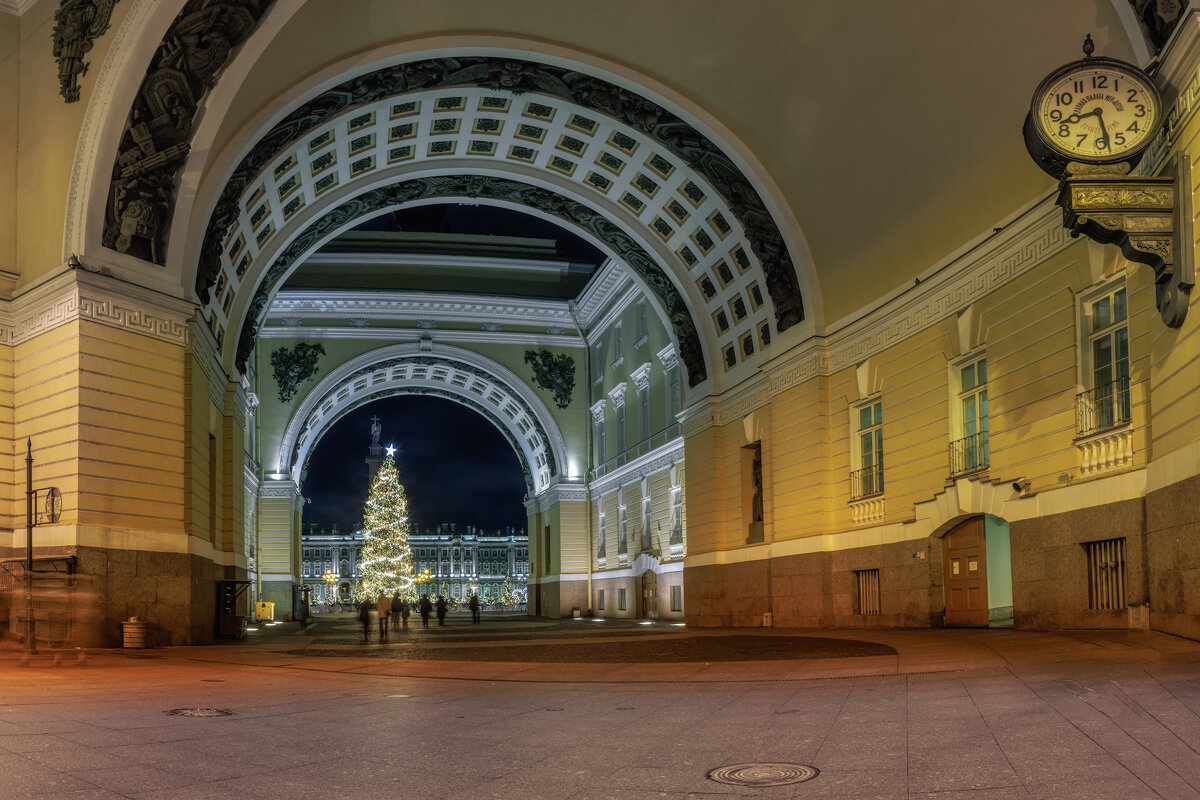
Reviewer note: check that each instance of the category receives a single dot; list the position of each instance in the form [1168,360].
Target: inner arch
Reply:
[445,371]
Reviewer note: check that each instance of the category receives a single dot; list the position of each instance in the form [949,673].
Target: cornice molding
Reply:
[605,286]
[277,489]
[597,409]
[556,493]
[437,306]
[656,460]
[617,395]
[416,334]
[16,7]
[641,377]
[78,294]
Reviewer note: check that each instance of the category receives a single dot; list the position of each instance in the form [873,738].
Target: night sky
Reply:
[455,466]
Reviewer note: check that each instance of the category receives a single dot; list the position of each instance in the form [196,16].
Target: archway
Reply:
[460,375]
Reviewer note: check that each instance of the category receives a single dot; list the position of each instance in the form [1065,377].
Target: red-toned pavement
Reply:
[582,709]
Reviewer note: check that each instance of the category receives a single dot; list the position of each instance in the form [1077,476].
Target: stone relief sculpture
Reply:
[1158,19]
[157,140]
[77,24]
[553,373]
[293,367]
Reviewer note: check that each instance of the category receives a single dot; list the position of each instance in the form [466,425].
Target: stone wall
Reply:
[1173,558]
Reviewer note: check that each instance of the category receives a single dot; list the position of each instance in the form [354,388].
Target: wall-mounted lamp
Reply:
[1021,485]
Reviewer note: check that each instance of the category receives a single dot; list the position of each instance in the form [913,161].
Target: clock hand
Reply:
[1103,130]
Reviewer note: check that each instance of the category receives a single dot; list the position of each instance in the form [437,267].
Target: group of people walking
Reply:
[398,611]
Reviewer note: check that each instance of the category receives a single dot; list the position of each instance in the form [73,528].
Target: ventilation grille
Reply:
[1106,574]
[868,591]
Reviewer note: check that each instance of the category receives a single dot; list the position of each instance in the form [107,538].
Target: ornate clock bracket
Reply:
[1148,218]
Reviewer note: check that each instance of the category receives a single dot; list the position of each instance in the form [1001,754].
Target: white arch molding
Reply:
[205,171]
[451,372]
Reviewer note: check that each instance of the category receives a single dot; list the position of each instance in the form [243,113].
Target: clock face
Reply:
[1097,111]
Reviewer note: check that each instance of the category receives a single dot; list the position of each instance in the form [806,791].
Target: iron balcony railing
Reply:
[1102,408]
[866,482]
[969,454]
[666,435]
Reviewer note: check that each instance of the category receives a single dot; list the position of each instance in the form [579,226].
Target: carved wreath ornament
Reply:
[554,373]
[294,367]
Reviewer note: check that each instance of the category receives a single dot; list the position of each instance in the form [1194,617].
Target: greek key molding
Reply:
[81,295]
[1037,236]
[272,489]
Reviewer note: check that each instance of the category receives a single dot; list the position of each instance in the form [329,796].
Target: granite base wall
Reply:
[1173,558]
[559,598]
[1049,567]
[174,593]
[819,590]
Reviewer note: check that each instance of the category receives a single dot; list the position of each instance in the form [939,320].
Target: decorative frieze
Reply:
[77,24]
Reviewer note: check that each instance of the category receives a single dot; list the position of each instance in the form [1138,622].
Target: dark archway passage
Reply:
[455,465]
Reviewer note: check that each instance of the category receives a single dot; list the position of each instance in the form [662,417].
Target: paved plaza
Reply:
[522,708]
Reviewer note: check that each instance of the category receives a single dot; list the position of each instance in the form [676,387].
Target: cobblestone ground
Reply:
[583,710]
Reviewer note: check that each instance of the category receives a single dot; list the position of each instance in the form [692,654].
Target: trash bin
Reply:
[134,633]
[264,610]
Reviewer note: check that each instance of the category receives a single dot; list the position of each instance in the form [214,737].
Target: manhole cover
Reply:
[199,712]
[762,774]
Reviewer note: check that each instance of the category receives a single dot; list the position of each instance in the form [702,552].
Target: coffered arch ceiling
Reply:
[895,146]
[458,375]
[718,263]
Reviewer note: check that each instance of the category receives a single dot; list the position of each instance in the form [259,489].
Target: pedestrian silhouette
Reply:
[426,607]
[364,616]
[441,610]
[474,605]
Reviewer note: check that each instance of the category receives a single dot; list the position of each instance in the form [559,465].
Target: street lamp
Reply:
[422,578]
[330,579]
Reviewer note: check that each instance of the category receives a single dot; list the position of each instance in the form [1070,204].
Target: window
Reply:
[598,362]
[600,600]
[617,347]
[641,323]
[1105,404]
[676,515]
[677,598]
[643,404]
[675,396]
[600,548]
[622,436]
[620,599]
[622,531]
[868,480]
[970,450]
[601,447]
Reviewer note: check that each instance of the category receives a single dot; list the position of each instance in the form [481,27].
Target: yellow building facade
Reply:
[840,362]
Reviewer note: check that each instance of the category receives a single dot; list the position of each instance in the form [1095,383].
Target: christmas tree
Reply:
[387,563]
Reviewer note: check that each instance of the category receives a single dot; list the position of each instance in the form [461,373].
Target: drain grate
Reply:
[199,712]
[762,774]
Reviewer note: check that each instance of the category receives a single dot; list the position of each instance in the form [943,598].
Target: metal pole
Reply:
[30,625]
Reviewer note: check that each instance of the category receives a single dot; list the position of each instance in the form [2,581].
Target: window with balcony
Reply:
[969,451]
[1105,403]
[867,480]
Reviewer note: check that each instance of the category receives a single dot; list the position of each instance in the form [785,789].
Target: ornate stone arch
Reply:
[456,374]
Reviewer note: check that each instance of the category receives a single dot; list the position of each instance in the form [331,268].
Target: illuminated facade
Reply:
[838,361]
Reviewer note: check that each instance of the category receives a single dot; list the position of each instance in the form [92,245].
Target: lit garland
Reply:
[386,562]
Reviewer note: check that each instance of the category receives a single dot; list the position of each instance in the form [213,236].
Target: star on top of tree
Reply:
[391,451]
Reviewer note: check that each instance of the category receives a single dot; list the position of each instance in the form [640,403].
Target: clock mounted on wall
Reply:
[1096,110]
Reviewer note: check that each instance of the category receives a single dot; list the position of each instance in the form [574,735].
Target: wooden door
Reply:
[963,552]
[649,609]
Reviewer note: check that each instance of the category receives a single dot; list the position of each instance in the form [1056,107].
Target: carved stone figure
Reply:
[553,373]
[77,24]
[293,367]
[376,430]
[183,69]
